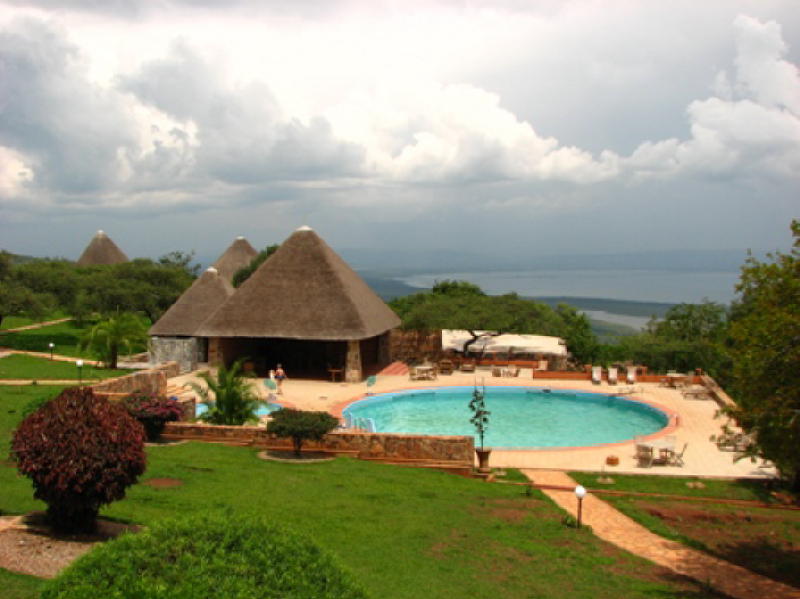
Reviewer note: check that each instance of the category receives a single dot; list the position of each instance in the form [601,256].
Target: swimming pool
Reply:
[262,410]
[521,417]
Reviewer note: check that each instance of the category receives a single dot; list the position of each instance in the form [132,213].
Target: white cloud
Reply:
[427,132]
[752,127]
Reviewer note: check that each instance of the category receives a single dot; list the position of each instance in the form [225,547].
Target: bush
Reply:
[153,412]
[81,452]
[207,555]
[301,426]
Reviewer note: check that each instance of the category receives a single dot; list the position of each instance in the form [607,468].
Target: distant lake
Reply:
[673,286]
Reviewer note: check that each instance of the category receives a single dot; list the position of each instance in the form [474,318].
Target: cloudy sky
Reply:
[539,127]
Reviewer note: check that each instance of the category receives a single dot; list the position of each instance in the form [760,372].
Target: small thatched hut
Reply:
[101,250]
[307,309]
[238,255]
[172,337]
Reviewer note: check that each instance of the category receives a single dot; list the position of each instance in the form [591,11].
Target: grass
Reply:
[20,366]
[12,322]
[402,532]
[65,336]
[766,541]
[748,490]
[19,586]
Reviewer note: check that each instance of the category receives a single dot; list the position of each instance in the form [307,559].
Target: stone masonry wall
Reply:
[459,450]
[182,350]
[146,381]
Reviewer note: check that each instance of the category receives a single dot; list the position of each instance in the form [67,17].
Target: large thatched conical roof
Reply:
[238,255]
[194,306]
[101,250]
[303,291]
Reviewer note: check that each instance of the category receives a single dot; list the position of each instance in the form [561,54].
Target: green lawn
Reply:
[403,532]
[20,366]
[12,322]
[766,541]
[65,336]
[19,586]
[750,490]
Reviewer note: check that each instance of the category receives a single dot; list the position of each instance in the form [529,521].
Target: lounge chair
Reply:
[512,370]
[630,375]
[676,459]
[612,376]
[695,392]
[446,366]
[644,456]
[597,375]
[497,371]
[468,366]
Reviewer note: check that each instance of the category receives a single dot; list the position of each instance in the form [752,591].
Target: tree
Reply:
[81,452]
[109,336]
[181,260]
[228,395]
[241,275]
[765,351]
[462,305]
[581,340]
[301,426]
[18,300]
[137,286]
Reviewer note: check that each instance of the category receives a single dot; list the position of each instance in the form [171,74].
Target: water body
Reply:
[673,286]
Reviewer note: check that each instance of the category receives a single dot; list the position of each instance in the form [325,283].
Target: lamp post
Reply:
[79,364]
[51,345]
[580,493]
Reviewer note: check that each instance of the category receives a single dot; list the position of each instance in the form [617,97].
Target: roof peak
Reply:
[305,228]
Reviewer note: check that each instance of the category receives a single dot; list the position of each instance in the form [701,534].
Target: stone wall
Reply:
[455,451]
[415,346]
[145,381]
[182,350]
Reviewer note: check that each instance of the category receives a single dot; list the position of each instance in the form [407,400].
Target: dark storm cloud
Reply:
[241,133]
[71,131]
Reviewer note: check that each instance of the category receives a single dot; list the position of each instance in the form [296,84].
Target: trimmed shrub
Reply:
[217,555]
[153,412]
[81,452]
[301,426]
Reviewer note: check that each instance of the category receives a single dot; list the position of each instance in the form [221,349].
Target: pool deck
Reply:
[695,423]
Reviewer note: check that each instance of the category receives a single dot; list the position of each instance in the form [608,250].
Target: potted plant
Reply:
[480,420]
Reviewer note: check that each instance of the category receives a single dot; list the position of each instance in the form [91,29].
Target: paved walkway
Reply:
[614,527]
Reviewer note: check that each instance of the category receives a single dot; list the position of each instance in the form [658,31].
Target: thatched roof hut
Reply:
[101,250]
[304,302]
[238,255]
[194,306]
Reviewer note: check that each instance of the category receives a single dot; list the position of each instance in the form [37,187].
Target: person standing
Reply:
[280,376]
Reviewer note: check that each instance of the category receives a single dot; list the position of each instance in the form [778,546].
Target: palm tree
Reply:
[229,398]
[109,336]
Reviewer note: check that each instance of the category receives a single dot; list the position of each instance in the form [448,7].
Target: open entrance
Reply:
[300,358]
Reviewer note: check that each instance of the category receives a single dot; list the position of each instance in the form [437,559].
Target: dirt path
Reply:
[614,527]
[36,325]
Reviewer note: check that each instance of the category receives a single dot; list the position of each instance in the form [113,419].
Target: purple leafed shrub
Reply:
[153,412]
[81,452]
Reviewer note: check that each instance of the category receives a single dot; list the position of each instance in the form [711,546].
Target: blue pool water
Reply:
[520,416]
[262,410]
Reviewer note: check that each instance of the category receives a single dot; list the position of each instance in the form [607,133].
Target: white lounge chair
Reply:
[612,376]
[597,375]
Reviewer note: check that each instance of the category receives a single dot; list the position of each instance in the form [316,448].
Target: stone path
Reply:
[614,527]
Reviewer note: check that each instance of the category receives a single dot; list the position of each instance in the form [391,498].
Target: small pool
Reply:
[262,410]
[521,417]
